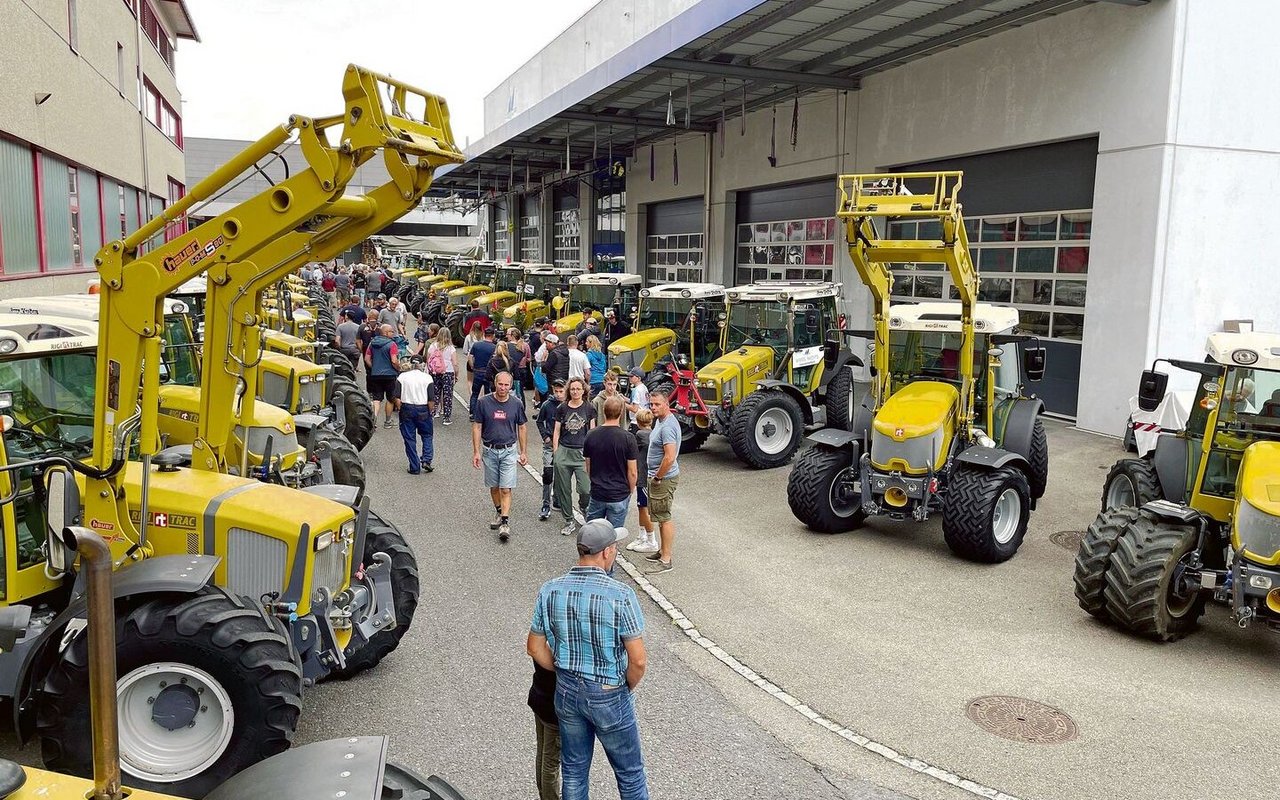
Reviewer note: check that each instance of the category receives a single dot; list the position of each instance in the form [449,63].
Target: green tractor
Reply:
[1199,517]
[945,426]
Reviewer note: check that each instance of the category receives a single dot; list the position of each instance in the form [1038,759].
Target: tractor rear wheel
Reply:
[1132,483]
[208,685]
[766,429]
[383,537]
[985,513]
[358,410]
[1094,556]
[454,323]
[1144,593]
[348,467]
[841,400]
[822,492]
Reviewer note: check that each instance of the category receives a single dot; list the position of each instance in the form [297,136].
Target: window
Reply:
[501,234]
[798,249]
[73,36]
[155,33]
[73,182]
[1039,263]
[611,217]
[566,238]
[529,238]
[179,226]
[674,257]
[162,114]
[120,68]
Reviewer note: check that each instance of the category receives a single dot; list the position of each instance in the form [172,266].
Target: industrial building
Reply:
[1112,157]
[90,132]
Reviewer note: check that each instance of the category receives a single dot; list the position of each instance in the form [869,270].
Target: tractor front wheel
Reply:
[348,467]
[454,323]
[208,686]
[1094,556]
[985,513]
[1145,593]
[841,400]
[358,410]
[766,429]
[1131,483]
[823,493]
[383,537]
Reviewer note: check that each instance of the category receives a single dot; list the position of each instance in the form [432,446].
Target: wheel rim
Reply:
[773,431]
[1120,493]
[1176,602]
[1006,516]
[845,495]
[176,720]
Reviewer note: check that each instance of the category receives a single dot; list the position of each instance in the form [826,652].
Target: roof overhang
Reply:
[178,17]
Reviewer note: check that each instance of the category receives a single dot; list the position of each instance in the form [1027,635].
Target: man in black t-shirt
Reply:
[611,457]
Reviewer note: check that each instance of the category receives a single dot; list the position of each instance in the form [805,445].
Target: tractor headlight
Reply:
[324,540]
[304,379]
[1262,582]
[8,345]
[730,389]
[347,532]
[645,293]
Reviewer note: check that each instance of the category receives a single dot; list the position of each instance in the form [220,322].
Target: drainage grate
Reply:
[1067,540]
[1021,720]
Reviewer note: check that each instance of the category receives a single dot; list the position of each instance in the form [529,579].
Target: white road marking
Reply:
[777,692]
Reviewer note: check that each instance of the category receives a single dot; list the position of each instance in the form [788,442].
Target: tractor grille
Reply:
[255,438]
[255,563]
[710,394]
[918,454]
[331,567]
[273,388]
[312,396]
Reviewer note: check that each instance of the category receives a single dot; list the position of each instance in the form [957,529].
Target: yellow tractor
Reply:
[543,290]
[1199,517]
[312,588]
[945,425]
[671,322]
[590,295]
[502,285]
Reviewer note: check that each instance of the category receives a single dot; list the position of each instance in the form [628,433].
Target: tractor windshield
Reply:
[1249,412]
[543,287]
[665,312]
[51,402]
[181,354]
[484,273]
[599,295]
[760,322]
[509,280]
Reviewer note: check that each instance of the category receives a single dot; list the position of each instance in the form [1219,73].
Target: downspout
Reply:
[142,113]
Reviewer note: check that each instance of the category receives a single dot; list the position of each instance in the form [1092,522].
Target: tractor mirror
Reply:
[830,353]
[1151,389]
[62,509]
[1033,362]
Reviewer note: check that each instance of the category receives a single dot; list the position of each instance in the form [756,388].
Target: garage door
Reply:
[674,244]
[1029,217]
[566,230]
[529,208]
[501,232]
[787,233]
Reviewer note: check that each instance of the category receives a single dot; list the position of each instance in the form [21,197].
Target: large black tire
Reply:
[1132,482]
[1140,578]
[1038,459]
[246,655]
[348,467]
[777,418]
[383,537]
[841,401]
[692,438]
[976,523]
[454,323]
[819,494]
[1094,557]
[358,409]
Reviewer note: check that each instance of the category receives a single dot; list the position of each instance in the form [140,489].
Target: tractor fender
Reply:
[1172,459]
[775,385]
[1020,424]
[31,658]
[991,458]
[836,439]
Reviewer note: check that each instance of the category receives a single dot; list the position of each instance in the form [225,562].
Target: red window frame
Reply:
[161,114]
[179,226]
[156,34]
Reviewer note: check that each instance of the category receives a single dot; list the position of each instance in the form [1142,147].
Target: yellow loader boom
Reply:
[884,197]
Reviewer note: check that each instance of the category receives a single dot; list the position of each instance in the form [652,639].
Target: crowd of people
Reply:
[606,441]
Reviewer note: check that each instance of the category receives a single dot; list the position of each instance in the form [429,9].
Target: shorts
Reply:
[500,467]
[661,493]
[381,387]
[642,497]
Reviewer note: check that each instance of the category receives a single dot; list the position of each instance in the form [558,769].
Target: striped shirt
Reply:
[587,617]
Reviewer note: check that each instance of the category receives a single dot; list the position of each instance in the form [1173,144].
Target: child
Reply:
[542,700]
[647,541]
[547,429]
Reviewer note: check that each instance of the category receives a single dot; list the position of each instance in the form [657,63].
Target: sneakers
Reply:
[544,514]
[645,544]
[660,567]
[413,471]
[568,529]
[497,521]
[387,424]
[504,531]
[448,421]
[428,467]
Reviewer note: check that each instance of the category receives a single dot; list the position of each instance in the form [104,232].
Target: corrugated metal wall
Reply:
[56,193]
[90,217]
[18,209]
[111,207]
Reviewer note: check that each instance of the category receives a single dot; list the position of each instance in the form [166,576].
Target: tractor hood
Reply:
[753,363]
[641,340]
[496,299]
[1255,528]
[462,291]
[570,322]
[917,409]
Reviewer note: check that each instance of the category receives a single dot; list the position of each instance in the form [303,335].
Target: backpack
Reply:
[435,360]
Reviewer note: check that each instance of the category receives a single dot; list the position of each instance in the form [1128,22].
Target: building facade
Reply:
[1113,152]
[90,132]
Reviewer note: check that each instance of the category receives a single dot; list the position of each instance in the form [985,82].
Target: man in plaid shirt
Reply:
[587,627]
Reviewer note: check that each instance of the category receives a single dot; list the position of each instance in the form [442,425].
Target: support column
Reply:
[721,251]
[634,240]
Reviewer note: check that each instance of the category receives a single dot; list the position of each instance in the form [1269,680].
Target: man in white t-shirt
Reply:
[415,400]
[579,364]
[639,392]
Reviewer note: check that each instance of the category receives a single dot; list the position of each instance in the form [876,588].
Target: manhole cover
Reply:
[1021,720]
[1067,540]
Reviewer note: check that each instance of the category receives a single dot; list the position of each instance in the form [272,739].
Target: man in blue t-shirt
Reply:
[478,360]
[663,462]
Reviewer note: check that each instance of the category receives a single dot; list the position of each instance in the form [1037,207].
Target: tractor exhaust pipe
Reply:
[95,557]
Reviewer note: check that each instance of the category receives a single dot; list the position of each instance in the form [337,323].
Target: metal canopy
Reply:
[772,51]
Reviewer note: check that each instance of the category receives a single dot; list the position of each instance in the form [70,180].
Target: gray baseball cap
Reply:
[597,535]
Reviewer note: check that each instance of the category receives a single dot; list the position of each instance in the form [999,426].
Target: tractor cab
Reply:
[668,321]
[591,294]
[543,293]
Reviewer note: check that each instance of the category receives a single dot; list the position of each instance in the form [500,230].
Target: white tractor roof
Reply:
[1255,350]
[71,306]
[548,269]
[783,290]
[945,317]
[696,291]
[196,285]
[608,279]
[23,334]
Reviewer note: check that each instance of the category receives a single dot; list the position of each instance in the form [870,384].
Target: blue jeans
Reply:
[415,421]
[588,711]
[615,513]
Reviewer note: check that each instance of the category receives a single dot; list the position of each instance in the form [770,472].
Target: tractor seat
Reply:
[12,777]
[1271,408]
[949,363]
